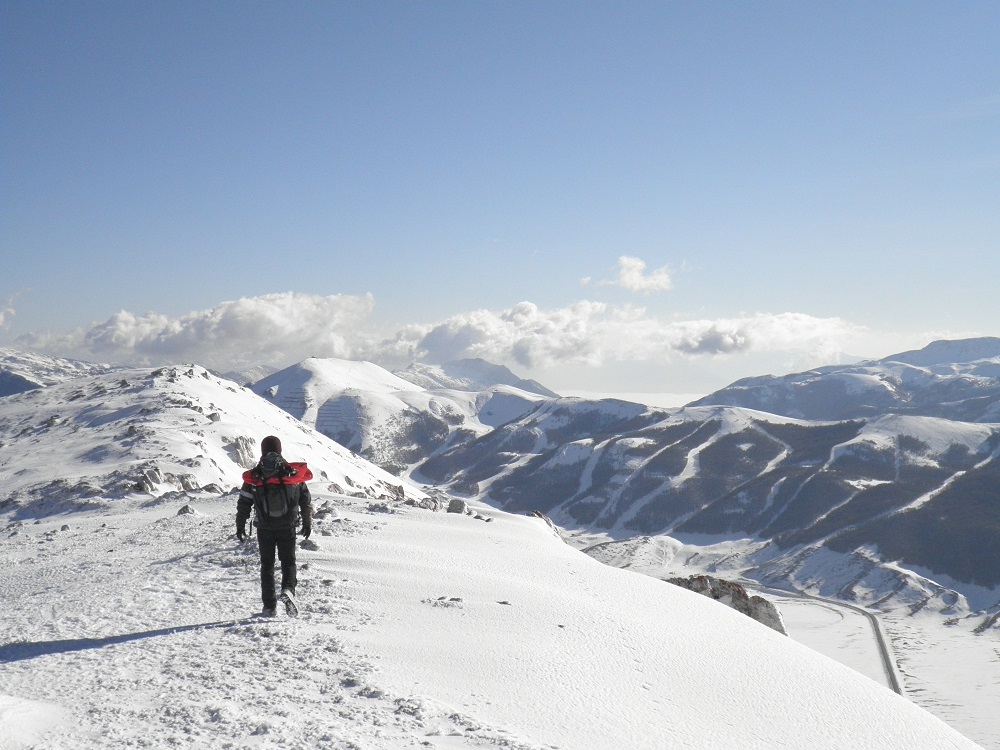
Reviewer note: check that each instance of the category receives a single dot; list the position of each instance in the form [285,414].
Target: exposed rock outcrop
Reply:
[734,595]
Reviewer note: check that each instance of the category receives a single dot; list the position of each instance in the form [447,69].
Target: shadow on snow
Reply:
[24,650]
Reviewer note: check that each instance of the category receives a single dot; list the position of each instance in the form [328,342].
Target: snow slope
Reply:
[128,607]
[22,371]
[945,658]
[152,434]
[419,629]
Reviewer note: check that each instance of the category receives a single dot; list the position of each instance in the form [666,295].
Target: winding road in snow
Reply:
[885,654]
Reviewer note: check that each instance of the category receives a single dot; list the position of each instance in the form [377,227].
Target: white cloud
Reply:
[633,277]
[524,334]
[824,338]
[7,310]
[280,329]
[275,328]
[591,333]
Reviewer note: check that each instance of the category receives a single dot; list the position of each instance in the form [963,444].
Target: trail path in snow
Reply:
[148,636]
[418,629]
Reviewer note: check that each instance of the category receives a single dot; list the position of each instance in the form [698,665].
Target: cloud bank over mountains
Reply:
[273,327]
[283,328]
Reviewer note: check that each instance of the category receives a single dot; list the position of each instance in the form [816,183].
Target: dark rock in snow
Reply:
[734,595]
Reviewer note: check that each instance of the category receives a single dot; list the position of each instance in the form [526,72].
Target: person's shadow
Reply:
[24,650]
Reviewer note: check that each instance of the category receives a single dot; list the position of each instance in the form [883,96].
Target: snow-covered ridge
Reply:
[97,439]
[950,352]
[23,371]
[469,375]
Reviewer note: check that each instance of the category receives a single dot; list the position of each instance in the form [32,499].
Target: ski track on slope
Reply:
[202,671]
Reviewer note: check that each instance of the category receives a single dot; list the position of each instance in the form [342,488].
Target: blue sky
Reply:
[627,196]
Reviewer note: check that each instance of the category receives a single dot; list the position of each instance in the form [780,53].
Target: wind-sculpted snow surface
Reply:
[417,629]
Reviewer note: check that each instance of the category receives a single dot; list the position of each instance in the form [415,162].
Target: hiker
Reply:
[277,491]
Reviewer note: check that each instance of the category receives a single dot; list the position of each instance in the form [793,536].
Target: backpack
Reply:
[275,486]
[271,500]
[271,496]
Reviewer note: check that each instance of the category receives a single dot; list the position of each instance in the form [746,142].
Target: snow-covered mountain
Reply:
[792,504]
[469,375]
[24,371]
[127,625]
[390,421]
[152,434]
[958,380]
[905,486]
[950,351]
[908,487]
[250,375]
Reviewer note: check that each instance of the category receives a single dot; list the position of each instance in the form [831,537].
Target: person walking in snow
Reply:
[277,492]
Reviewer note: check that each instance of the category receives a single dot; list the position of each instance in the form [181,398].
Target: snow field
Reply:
[418,629]
[150,643]
[840,633]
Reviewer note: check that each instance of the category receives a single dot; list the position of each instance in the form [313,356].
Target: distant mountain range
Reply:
[24,371]
[869,481]
[892,456]
[897,455]
[957,380]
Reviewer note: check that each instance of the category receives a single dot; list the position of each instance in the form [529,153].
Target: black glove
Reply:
[307,529]
[241,530]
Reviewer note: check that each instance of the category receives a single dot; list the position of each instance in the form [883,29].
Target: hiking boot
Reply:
[288,598]
[269,612]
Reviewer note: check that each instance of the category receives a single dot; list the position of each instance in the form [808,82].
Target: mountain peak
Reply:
[153,433]
[473,374]
[946,351]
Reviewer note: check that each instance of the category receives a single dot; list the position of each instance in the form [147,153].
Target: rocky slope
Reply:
[155,435]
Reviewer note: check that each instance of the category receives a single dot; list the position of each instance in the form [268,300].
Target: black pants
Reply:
[282,541]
